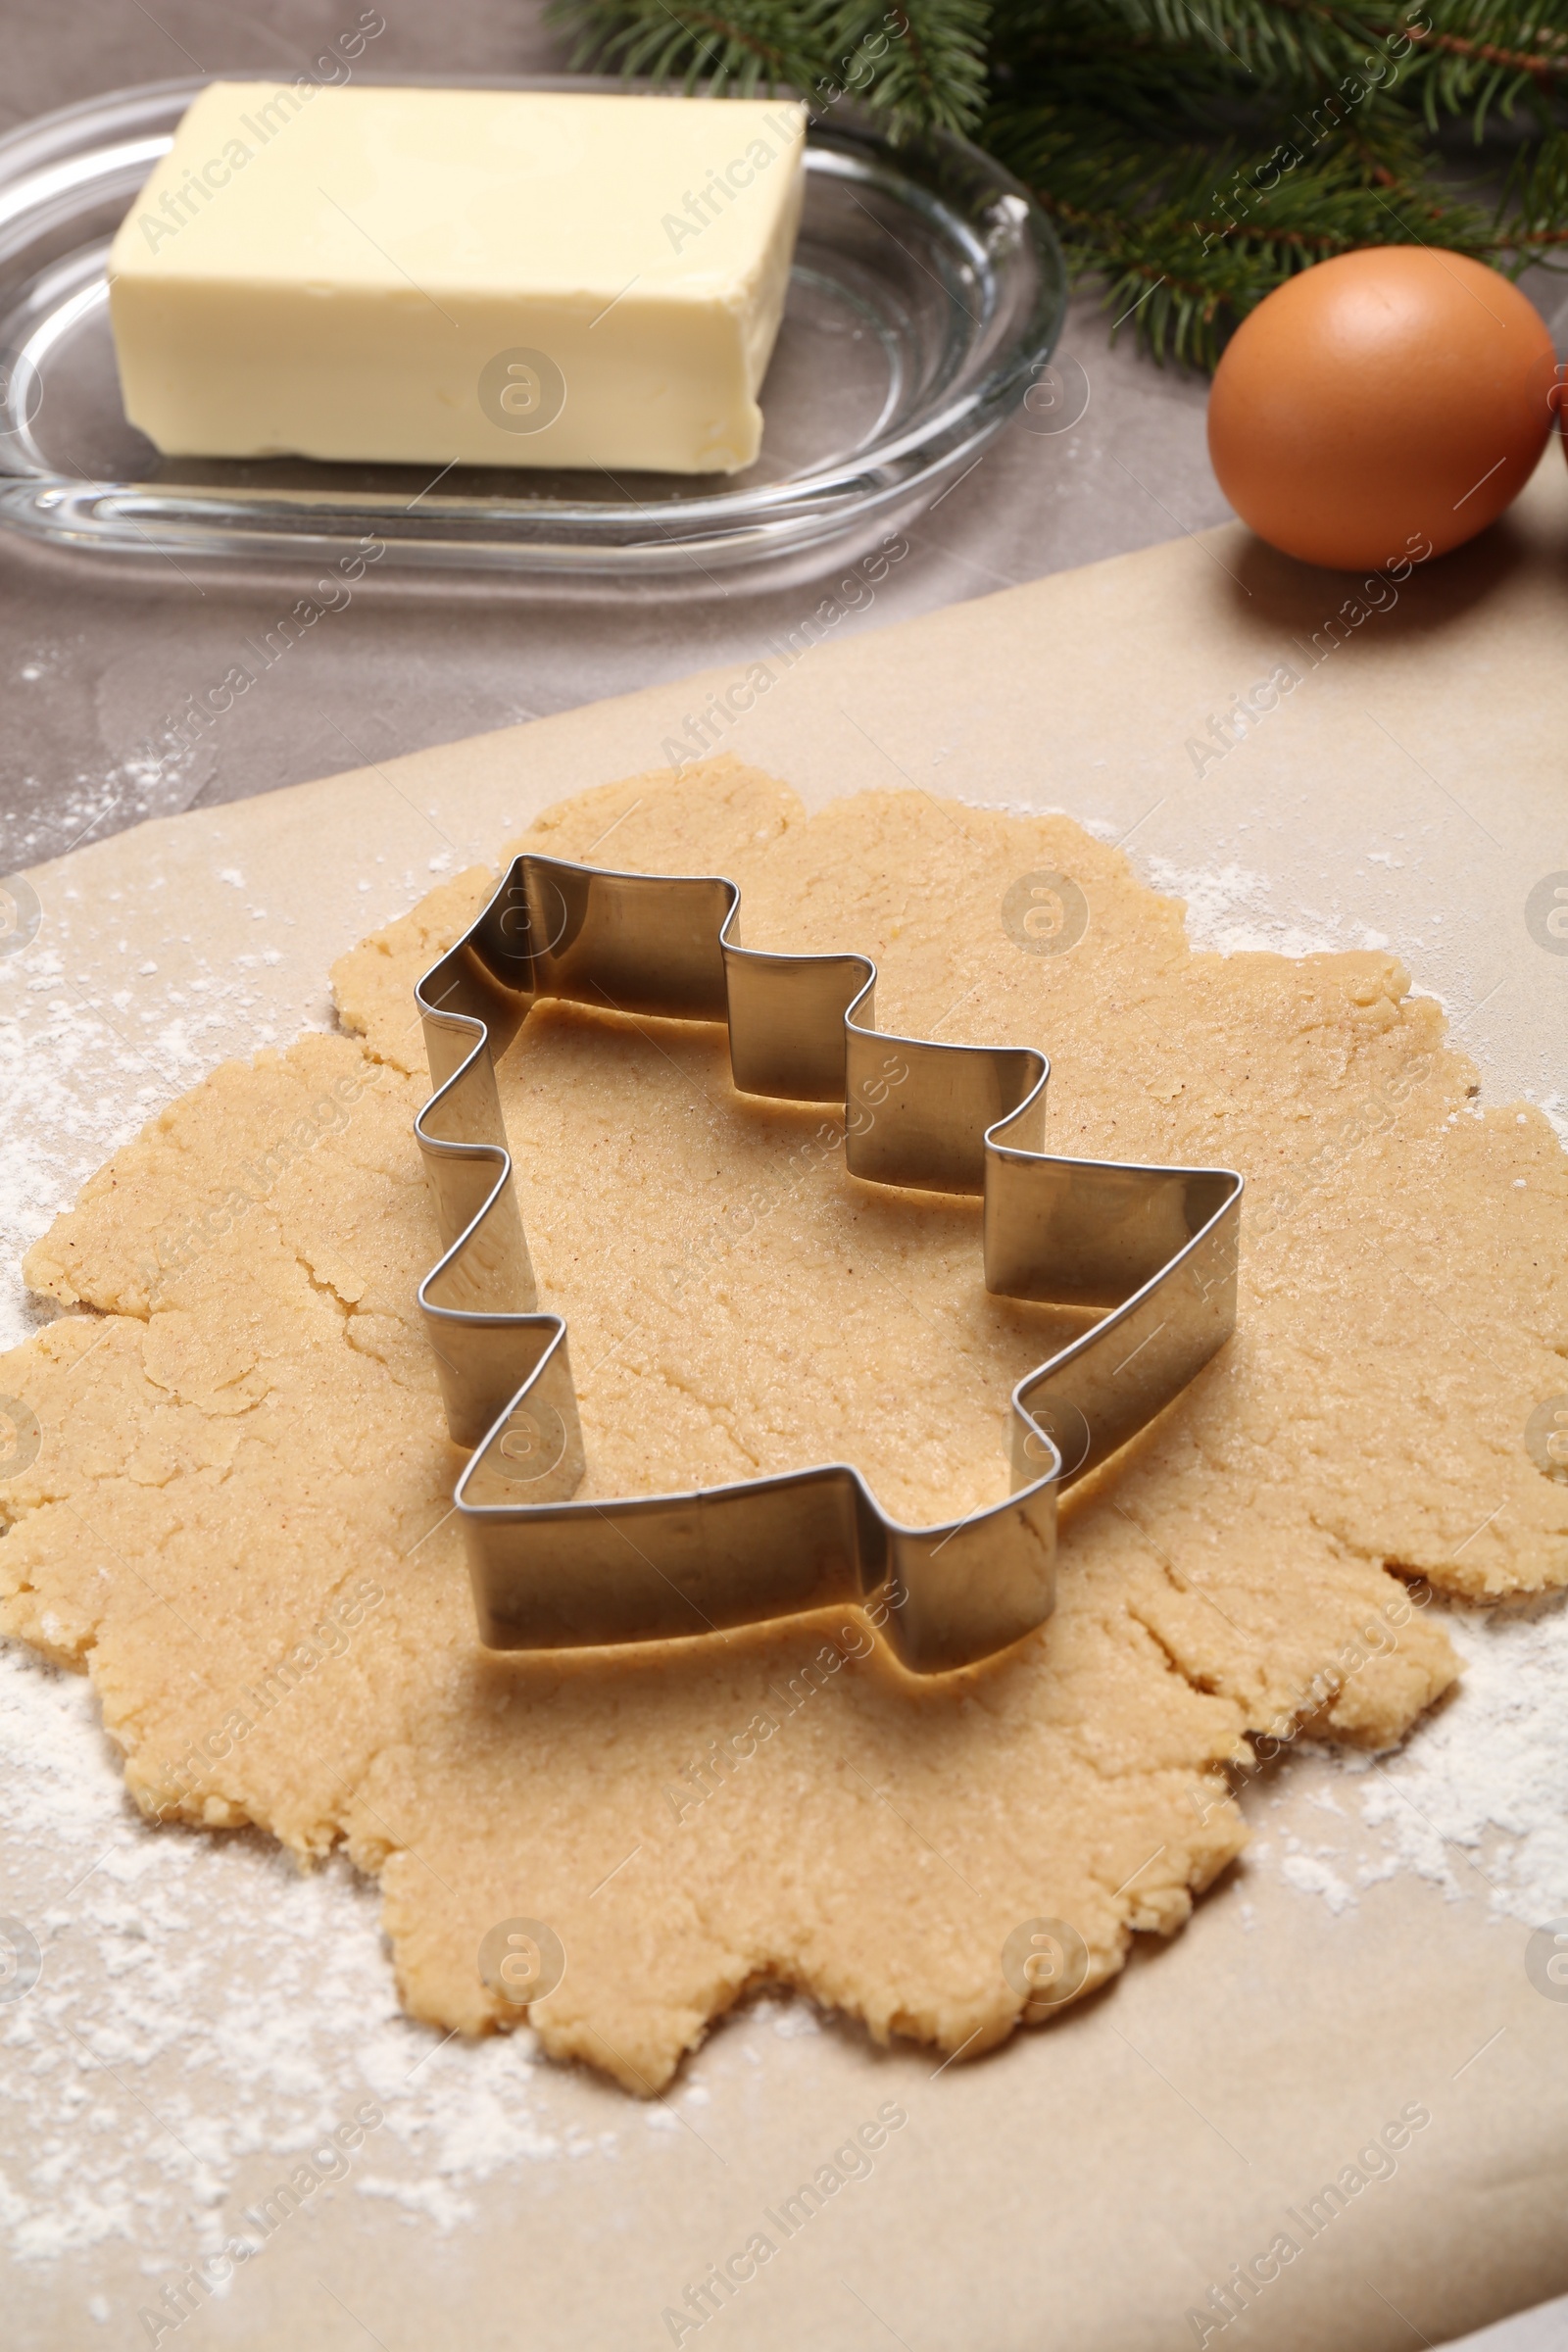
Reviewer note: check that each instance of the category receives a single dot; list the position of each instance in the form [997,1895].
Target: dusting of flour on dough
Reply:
[251,2043]
[1136,1578]
[1474,1800]
[251,2007]
[107,1060]
[1232,911]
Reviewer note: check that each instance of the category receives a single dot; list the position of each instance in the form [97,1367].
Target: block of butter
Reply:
[486,277]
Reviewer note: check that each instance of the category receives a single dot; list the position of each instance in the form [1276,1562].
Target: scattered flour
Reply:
[1475,1800]
[1231,910]
[1313,1876]
[1478,1800]
[240,2048]
[86,1066]
[206,2013]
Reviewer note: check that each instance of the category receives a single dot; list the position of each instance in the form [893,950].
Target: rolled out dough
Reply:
[236,1518]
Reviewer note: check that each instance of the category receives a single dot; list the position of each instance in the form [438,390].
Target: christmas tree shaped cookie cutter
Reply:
[1154,1247]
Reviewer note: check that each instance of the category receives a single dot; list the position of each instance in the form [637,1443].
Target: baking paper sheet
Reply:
[1091,2185]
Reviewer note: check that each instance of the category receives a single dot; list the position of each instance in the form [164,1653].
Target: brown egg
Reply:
[1389,401]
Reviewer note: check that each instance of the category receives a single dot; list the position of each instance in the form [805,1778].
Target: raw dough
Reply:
[236,1520]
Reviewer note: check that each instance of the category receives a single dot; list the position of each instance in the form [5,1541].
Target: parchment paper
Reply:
[1086,2186]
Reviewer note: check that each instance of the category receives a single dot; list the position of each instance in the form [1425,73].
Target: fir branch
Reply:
[740,47]
[1187,240]
[1194,153]
[923,61]
[1533,216]
[917,64]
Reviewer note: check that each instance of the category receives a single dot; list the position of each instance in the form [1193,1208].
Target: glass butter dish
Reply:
[927,291]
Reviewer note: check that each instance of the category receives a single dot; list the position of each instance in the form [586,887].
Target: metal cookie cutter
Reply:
[1155,1247]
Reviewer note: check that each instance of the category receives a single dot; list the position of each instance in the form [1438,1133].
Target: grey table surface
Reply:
[94,656]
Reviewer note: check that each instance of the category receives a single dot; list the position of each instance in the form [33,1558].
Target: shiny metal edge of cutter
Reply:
[1155,1247]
